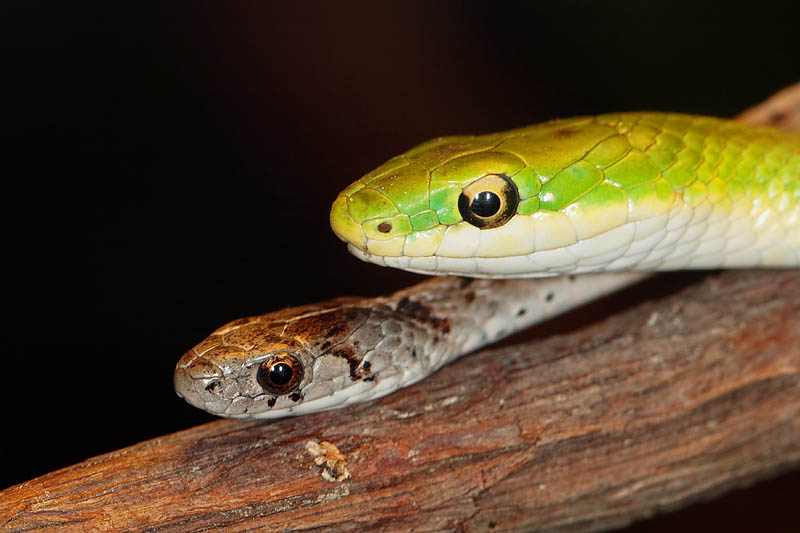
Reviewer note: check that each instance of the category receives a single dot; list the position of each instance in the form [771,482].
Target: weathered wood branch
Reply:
[668,402]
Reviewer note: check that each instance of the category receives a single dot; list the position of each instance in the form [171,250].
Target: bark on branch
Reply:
[668,402]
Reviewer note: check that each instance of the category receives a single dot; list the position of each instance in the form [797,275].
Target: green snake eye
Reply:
[489,202]
[280,374]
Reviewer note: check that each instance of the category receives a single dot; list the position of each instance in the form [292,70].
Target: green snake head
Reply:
[646,191]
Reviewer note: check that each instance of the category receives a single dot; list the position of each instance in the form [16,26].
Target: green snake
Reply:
[611,196]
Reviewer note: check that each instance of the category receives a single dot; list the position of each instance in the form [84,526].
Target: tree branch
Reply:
[668,402]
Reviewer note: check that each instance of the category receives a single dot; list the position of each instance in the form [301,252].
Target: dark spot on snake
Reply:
[371,378]
[522,312]
[549,297]
[384,227]
[213,387]
[296,396]
[355,316]
[325,345]
[469,297]
[414,352]
[566,133]
[422,313]
[271,401]
[776,117]
[466,282]
[335,330]
[571,277]
[492,524]
[346,353]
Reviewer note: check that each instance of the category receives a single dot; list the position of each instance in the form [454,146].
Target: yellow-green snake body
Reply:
[628,191]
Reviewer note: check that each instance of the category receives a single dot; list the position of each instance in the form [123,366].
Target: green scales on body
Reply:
[576,180]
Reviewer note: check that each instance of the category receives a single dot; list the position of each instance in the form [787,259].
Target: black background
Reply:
[168,166]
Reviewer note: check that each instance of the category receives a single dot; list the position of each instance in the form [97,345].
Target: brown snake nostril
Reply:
[384,227]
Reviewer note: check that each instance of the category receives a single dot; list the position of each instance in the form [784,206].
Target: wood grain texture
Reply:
[670,401]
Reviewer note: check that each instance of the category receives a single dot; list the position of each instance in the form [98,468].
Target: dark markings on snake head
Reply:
[469,297]
[271,401]
[522,312]
[571,277]
[549,297]
[422,313]
[335,330]
[347,353]
[414,353]
[371,378]
[326,345]
[213,387]
[296,396]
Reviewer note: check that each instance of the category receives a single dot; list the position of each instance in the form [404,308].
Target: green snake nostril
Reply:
[384,227]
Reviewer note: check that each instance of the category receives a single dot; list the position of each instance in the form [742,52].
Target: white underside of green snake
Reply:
[689,238]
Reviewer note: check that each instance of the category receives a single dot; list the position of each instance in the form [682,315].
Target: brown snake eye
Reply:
[279,374]
[489,202]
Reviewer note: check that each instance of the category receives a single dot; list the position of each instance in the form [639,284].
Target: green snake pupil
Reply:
[485,204]
[489,201]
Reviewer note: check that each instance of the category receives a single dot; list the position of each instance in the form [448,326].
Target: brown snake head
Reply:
[304,359]
[329,355]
